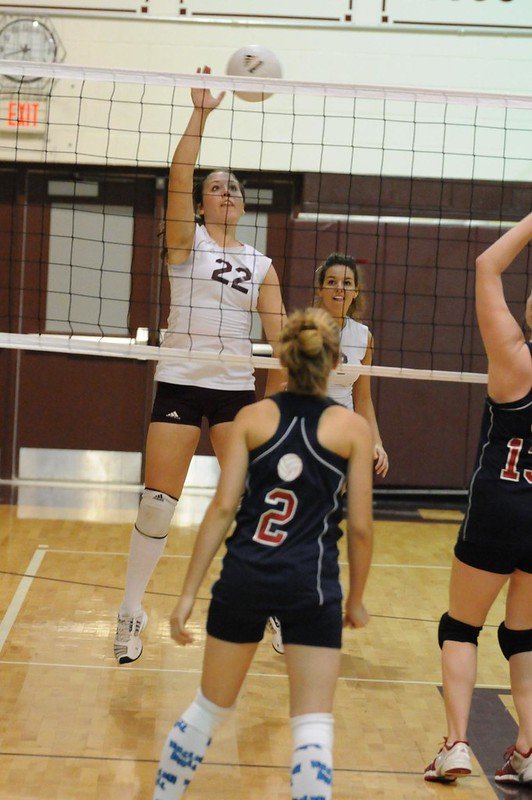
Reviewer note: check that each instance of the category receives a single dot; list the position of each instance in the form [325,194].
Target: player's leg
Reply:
[472,592]
[515,638]
[169,450]
[313,674]
[313,640]
[225,665]
[219,435]
[221,407]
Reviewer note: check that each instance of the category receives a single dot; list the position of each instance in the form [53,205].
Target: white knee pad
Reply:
[155,514]
[204,715]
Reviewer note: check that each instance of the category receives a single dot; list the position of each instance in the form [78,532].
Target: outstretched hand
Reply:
[203,98]
[179,619]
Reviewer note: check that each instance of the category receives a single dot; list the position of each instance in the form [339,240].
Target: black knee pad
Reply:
[512,642]
[453,630]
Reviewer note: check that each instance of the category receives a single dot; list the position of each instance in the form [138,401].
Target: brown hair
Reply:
[309,349]
[338,259]
[197,191]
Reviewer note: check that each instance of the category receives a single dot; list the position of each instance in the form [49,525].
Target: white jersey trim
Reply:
[276,445]
[333,509]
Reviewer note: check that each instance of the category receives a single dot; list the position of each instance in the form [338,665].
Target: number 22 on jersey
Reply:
[270,531]
[236,283]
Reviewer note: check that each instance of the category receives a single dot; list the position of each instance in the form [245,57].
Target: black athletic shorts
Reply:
[496,534]
[187,405]
[319,626]
[493,559]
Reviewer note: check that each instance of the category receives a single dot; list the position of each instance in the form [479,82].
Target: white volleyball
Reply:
[254,61]
[289,467]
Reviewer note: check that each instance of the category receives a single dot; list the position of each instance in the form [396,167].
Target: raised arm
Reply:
[273,315]
[509,370]
[363,404]
[359,521]
[180,222]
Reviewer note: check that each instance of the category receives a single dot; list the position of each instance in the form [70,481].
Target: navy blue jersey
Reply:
[500,498]
[283,553]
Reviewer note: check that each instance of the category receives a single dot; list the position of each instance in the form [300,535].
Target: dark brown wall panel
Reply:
[82,402]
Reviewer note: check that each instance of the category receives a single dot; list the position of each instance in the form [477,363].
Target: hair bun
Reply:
[309,348]
[310,340]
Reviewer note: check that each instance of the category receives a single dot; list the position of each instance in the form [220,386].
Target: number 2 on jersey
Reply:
[269,530]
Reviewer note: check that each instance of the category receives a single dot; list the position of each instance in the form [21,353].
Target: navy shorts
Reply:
[187,405]
[496,534]
[319,626]
[493,559]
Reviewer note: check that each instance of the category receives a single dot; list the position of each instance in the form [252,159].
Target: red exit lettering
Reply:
[22,115]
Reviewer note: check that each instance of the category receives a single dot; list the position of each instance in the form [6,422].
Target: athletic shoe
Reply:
[128,645]
[450,763]
[274,626]
[517,767]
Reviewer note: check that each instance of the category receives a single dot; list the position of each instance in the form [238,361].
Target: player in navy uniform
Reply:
[495,539]
[289,456]
[216,283]
[338,292]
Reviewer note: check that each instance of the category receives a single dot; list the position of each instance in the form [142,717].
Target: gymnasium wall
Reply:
[132,124]
[459,44]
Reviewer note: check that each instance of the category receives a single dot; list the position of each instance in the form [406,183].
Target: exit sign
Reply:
[21,116]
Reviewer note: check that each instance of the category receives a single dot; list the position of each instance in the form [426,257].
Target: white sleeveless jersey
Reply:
[212,297]
[353,346]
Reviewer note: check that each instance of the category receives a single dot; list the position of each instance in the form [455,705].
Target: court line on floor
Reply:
[199,598]
[250,674]
[219,558]
[206,763]
[20,594]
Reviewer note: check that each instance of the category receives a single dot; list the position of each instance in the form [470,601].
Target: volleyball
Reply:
[289,467]
[254,61]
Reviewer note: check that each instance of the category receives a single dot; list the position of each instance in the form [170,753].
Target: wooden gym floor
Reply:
[75,726]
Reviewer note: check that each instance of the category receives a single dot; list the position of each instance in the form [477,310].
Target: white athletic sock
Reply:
[185,747]
[312,759]
[144,553]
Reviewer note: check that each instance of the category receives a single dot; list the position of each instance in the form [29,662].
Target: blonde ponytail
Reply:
[309,349]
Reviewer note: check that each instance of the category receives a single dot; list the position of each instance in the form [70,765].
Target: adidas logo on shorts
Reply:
[173,415]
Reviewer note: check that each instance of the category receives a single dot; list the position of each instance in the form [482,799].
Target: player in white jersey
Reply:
[338,290]
[216,283]
[287,461]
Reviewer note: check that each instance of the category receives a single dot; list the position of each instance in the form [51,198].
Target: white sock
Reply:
[185,747]
[144,553]
[312,759]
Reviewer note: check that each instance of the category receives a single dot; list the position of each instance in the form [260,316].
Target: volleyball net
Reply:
[413,183]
